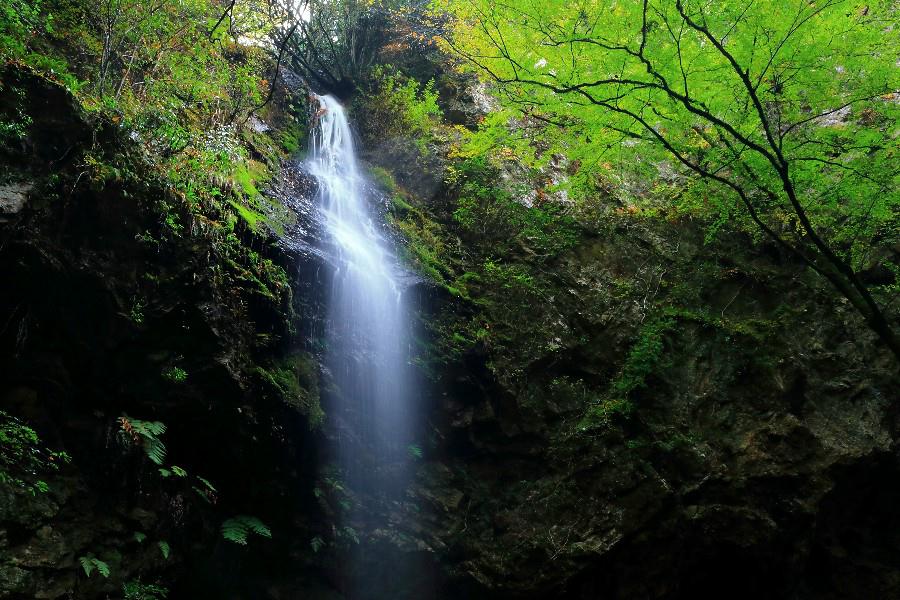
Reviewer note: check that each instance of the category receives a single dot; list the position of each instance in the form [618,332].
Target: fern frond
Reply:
[237,529]
[258,527]
[149,428]
[86,564]
[90,563]
[146,434]
[164,548]
[234,530]
[102,567]
[155,450]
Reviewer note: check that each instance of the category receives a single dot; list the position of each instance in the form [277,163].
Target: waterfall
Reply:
[367,333]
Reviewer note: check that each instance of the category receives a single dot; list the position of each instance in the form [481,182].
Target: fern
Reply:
[87,564]
[145,434]
[237,529]
[348,533]
[155,449]
[135,590]
[164,548]
[139,536]
[207,492]
[90,562]
[102,567]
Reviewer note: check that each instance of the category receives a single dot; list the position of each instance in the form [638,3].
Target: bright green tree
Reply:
[780,113]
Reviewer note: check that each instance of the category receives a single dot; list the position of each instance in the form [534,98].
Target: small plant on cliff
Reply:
[135,590]
[175,374]
[144,434]
[23,458]
[646,356]
[90,563]
[400,107]
[238,529]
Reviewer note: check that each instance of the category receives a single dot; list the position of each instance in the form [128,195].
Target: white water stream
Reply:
[367,335]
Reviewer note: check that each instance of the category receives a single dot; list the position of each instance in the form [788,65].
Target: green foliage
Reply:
[399,107]
[23,459]
[295,380]
[137,309]
[90,563]
[135,590]
[175,374]
[19,20]
[347,534]
[144,434]
[238,529]
[646,356]
[424,249]
[490,216]
[164,548]
[780,116]
[14,128]
[181,92]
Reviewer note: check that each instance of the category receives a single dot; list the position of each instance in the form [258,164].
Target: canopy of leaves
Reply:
[334,43]
[632,86]
[780,115]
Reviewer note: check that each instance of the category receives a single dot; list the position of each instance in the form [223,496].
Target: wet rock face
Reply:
[750,467]
[12,200]
[100,302]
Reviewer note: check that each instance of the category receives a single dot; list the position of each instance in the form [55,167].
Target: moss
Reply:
[250,216]
[383,178]
[292,138]
[424,246]
[400,205]
[253,206]
[296,382]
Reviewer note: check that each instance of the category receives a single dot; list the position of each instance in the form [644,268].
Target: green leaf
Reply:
[102,567]
[237,529]
[87,565]
[164,548]
[155,450]
[139,536]
[90,563]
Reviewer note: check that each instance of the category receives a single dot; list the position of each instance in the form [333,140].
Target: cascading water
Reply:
[367,333]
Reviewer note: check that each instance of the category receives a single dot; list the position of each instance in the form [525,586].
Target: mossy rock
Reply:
[295,379]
